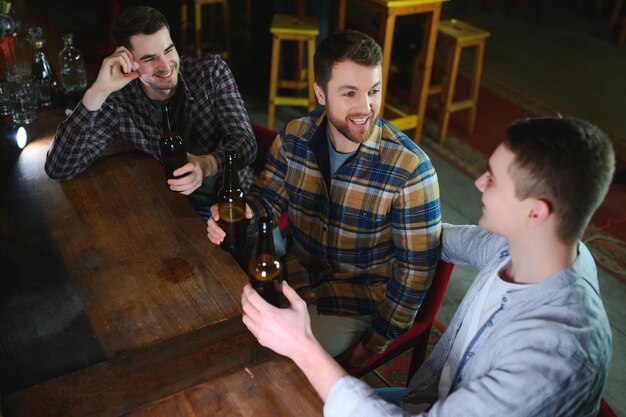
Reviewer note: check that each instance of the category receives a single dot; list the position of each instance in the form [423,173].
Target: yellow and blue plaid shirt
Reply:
[367,237]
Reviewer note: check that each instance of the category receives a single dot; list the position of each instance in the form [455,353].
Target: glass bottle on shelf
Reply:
[72,67]
[16,53]
[41,72]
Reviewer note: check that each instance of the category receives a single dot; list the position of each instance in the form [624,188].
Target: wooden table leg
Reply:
[475,88]
[341,15]
[452,67]
[271,106]
[419,88]
[310,73]
[617,8]
[388,20]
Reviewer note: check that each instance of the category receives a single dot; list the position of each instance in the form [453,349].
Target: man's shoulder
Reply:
[126,95]
[193,65]
[476,235]
[395,146]
[304,127]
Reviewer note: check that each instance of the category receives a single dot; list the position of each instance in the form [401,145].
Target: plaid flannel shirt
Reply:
[215,115]
[369,241]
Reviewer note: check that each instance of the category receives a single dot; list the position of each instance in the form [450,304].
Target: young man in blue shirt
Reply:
[531,336]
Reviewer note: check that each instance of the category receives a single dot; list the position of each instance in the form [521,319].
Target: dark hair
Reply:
[342,46]
[567,162]
[137,20]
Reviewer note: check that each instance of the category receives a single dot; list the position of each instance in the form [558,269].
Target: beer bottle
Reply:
[265,270]
[232,206]
[172,144]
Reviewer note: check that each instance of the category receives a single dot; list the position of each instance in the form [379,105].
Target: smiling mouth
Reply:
[361,121]
[169,74]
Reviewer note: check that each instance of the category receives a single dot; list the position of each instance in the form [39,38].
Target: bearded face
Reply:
[352,99]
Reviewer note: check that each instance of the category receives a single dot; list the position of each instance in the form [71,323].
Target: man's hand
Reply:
[117,70]
[190,177]
[192,173]
[214,231]
[354,356]
[286,331]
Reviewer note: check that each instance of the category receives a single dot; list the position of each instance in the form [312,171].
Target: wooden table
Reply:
[110,290]
[389,10]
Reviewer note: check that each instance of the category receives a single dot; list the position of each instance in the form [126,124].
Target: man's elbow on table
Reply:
[53,171]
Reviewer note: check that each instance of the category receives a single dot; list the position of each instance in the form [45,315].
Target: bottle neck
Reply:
[265,238]
[168,124]
[231,175]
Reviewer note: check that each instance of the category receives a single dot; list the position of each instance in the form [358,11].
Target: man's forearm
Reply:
[320,368]
[94,98]
[208,164]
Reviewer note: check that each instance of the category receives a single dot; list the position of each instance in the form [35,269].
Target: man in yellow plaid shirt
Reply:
[362,202]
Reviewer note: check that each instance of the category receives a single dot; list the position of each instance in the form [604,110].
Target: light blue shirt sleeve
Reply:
[351,397]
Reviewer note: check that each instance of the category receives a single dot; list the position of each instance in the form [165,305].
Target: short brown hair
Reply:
[567,162]
[343,46]
[137,20]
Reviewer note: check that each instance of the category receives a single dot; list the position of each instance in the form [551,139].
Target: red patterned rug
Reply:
[394,373]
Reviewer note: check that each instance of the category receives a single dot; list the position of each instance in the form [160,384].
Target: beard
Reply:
[358,135]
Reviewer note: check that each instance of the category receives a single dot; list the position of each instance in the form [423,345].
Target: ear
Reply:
[319,93]
[539,212]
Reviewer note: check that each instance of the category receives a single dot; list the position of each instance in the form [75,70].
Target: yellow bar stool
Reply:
[199,44]
[290,28]
[459,35]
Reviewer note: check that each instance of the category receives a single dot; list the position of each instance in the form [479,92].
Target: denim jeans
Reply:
[392,395]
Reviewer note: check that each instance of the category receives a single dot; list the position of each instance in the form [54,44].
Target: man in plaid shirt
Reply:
[362,202]
[125,103]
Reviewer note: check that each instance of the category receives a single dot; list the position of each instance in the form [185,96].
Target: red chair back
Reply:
[606,410]
[417,335]
[264,138]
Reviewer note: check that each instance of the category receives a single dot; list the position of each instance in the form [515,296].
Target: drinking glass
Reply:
[18,59]
[5,99]
[24,102]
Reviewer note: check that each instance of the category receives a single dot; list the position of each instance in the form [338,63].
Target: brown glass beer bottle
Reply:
[172,144]
[232,206]
[265,270]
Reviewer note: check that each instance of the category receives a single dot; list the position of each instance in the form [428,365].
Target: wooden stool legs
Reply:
[271,106]
[447,93]
[311,74]
[298,84]
[477,71]
[447,103]
[457,36]
[303,31]
[198,43]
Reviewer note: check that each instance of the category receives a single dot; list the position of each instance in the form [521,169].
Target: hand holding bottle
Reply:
[117,70]
[214,232]
[189,177]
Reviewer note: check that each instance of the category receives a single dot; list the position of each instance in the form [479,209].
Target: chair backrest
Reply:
[264,139]
[434,297]
[421,325]
[606,410]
